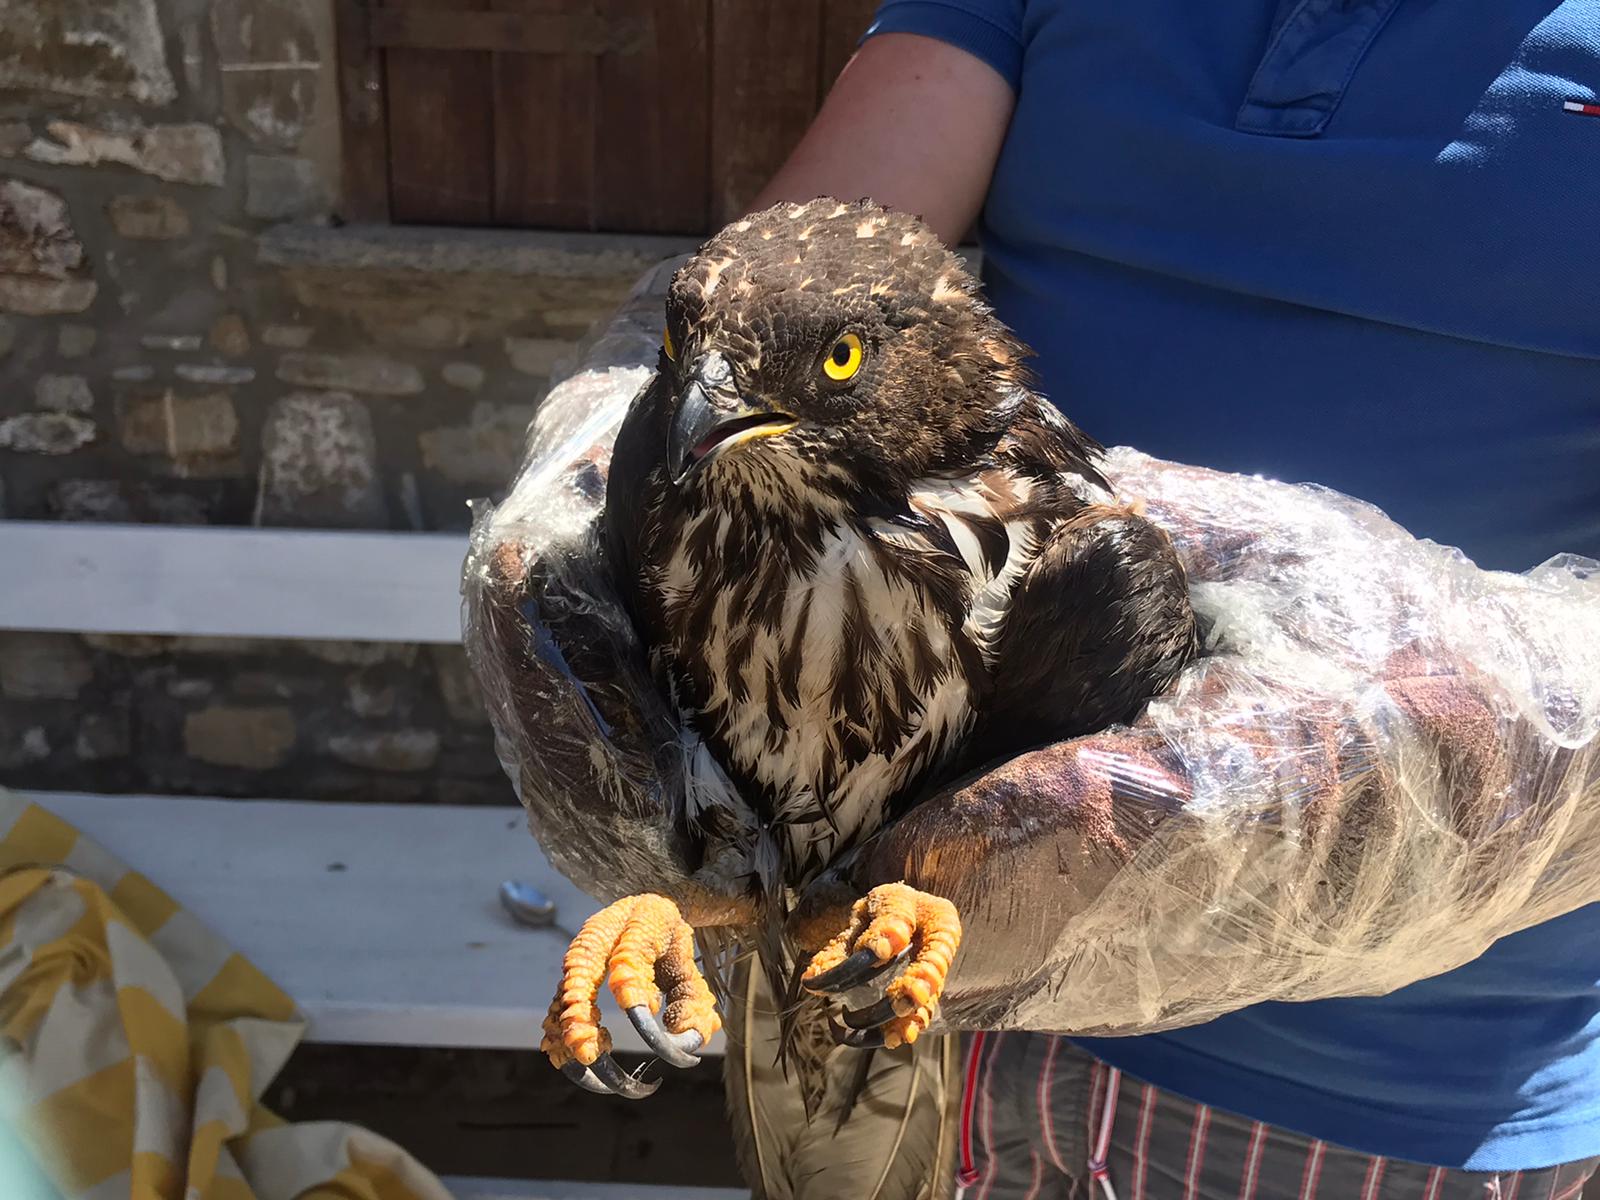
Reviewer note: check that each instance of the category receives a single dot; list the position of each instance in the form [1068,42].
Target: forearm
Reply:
[912,122]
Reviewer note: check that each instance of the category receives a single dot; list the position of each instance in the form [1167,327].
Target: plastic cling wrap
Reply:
[1385,759]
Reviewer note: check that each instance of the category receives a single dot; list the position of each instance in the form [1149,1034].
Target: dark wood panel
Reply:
[544,122]
[652,130]
[441,133]
[843,23]
[765,61]
[364,131]
[533,31]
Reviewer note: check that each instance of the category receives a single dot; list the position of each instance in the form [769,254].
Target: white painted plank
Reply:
[464,1188]
[405,945]
[206,581]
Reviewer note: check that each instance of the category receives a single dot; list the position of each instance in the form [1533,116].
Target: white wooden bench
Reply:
[404,942]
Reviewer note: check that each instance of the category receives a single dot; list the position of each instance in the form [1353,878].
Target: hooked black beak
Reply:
[709,420]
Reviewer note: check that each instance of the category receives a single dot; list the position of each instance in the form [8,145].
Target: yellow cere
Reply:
[844,360]
[666,343]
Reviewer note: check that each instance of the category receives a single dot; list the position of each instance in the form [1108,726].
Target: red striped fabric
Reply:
[1197,1152]
[1252,1161]
[1435,1184]
[1038,1179]
[1312,1175]
[1141,1140]
[986,1108]
[1374,1179]
[1047,1083]
[968,1174]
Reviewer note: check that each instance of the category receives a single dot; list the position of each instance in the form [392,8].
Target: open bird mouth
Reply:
[741,429]
[711,416]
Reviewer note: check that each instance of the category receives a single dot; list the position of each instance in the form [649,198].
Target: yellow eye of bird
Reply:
[844,360]
[666,343]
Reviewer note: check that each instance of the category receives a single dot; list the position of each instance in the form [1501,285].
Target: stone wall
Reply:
[189,334]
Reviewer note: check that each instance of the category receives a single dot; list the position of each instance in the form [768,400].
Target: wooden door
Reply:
[659,116]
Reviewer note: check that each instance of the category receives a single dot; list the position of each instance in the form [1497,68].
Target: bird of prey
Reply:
[865,557]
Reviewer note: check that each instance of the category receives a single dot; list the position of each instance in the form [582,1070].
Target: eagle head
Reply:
[828,343]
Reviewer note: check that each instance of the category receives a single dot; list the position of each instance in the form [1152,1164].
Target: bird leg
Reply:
[647,949]
[888,926]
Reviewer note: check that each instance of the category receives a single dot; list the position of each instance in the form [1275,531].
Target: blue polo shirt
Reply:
[1355,242]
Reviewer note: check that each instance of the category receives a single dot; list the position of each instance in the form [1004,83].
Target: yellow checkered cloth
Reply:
[136,1043]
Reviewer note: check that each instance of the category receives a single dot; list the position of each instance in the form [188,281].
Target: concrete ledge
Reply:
[547,254]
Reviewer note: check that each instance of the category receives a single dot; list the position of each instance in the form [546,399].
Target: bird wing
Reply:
[1098,624]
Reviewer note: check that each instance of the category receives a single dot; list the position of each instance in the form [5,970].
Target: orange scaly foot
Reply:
[886,925]
[647,949]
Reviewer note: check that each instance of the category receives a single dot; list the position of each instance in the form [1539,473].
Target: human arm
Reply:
[913,122]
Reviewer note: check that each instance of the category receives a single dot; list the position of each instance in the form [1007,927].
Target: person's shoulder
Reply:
[992,30]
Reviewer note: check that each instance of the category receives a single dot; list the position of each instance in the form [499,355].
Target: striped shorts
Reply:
[1043,1120]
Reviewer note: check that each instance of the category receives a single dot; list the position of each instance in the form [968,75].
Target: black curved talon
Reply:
[859,1039]
[629,1087]
[869,1018]
[674,1049]
[859,968]
[584,1078]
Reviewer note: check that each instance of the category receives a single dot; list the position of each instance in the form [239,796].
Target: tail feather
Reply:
[832,1122]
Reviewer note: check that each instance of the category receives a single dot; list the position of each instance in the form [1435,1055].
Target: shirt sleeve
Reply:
[988,29]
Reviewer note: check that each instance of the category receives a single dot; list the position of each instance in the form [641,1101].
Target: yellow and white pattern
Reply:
[135,1045]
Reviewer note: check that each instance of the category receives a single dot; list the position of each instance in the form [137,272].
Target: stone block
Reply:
[351,373]
[189,154]
[181,343]
[74,341]
[457,685]
[148,218]
[42,666]
[230,335]
[464,375]
[484,451]
[269,69]
[212,373]
[369,697]
[14,135]
[421,330]
[359,654]
[540,356]
[90,500]
[405,750]
[194,432]
[319,464]
[85,48]
[257,738]
[103,736]
[30,745]
[33,296]
[63,393]
[219,272]
[46,433]
[129,645]
[37,238]
[137,373]
[280,188]
[124,500]
[287,337]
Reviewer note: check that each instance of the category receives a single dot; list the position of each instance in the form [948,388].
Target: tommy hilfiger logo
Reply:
[1583,108]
